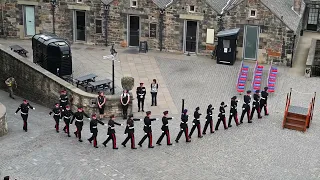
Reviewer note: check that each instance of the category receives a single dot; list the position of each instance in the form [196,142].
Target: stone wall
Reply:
[14,12]
[275,39]
[3,120]
[38,85]
[174,24]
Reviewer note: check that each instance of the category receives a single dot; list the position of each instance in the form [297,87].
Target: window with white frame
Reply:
[253,13]
[192,8]
[134,3]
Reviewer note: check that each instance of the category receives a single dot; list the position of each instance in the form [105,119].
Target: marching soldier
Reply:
[67,117]
[184,126]
[141,93]
[256,105]
[246,107]
[24,107]
[147,129]
[264,101]
[165,129]
[209,120]
[94,130]
[222,116]
[56,115]
[196,123]
[79,122]
[130,132]
[112,132]
[63,101]
[233,111]
[125,99]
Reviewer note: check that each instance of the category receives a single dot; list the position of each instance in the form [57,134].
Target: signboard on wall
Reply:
[153,30]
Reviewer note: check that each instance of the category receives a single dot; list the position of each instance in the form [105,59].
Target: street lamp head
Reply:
[53,2]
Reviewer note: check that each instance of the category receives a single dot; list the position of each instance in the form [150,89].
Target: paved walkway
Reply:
[261,150]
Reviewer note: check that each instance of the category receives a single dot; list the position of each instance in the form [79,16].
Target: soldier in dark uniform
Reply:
[147,130]
[130,131]
[264,101]
[79,122]
[209,120]
[67,118]
[246,107]
[165,128]
[24,107]
[233,111]
[125,99]
[256,105]
[63,100]
[101,101]
[94,129]
[141,93]
[222,116]
[56,115]
[112,132]
[184,126]
[196,123]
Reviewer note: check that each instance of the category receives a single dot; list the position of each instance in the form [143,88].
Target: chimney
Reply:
[297,6]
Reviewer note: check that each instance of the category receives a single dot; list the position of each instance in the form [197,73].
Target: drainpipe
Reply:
[53,8]
[293,46]
[161,29]
[3,4]
[106,12]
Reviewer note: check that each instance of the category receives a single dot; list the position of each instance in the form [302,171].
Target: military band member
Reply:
[264,101]
[222,116]
[165,128]
[24,107]
[246,107]
[56,115]
[147,129]
[94,129]
[141,93]
[184,126]
[67,118]
[130,132]
[101,101]
[233,111]
[112,132]
[79,122]
[209,120]
[196,123]
[125,99]
[63,99]
[256,105]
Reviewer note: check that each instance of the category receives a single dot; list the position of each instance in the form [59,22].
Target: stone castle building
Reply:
[269,29]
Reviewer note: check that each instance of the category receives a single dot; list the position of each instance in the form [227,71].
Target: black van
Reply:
[52,53]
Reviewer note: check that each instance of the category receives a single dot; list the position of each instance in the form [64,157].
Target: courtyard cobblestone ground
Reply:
[262,150]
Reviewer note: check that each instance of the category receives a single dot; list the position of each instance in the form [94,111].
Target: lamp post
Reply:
[53,8]
[112,58]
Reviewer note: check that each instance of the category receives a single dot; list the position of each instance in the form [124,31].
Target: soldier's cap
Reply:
[131,115]
[222,103]
[210,106]
[248,92]
[25,100]
[234,97]
[141,83]
[165,112]
[67,106]
[197,108]
[63,91]
[80,108]
[266,88]
[94,115]
[257,91]
[185,110]
[57,104]
[148,112]
[112,116]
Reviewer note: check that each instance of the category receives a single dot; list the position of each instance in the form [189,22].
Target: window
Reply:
[192,9]
[98,26]
[79,1]
[134,3]
[153,30]
[253,13]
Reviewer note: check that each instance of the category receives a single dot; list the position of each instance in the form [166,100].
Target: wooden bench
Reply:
[101,85]
[18,49]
